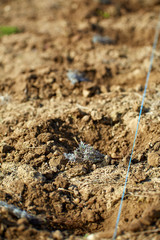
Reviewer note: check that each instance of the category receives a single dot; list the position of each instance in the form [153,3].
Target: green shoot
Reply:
[103,14]
[8,30]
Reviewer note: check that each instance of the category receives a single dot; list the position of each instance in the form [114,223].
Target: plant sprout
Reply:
[85,153]
[8,30]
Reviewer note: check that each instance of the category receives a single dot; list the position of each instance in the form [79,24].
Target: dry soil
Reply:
[44,115]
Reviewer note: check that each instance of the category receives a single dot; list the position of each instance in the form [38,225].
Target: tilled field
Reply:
[71,86]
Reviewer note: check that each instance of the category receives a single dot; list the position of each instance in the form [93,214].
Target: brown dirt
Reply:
[43,115]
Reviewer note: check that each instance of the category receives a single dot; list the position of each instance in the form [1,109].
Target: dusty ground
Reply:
[43,115]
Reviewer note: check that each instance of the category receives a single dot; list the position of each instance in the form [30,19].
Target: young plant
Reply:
[8,30]
[85,153]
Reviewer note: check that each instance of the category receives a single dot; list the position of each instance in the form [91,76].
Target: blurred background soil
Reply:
[75,71]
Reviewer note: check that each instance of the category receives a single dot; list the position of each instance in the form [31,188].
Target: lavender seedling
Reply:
[102,39]
[4,99]
[17,212]
[85,153]
[75,77]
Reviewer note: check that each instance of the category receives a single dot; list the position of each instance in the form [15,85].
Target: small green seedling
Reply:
[8,30]
[86,235]
[103,14]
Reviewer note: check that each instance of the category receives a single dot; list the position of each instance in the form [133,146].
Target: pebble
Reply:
[57,235]
[154,159]
[96,115]
[86,118]
[85,194]
[94,166]
[113,155]
[86,93]
[56,153]
[76,200]
[103,89]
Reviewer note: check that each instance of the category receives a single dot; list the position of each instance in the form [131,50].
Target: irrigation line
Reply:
[144,94]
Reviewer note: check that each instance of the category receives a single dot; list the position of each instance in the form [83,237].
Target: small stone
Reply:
[86,93]
[103,89]
[56,153]
[85,194]
[154,159]
[96,115]
[76,201]
[54,147]
[113,155]
[57,235]
[86,118]
[94,167]
[4,210]
[61,139]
